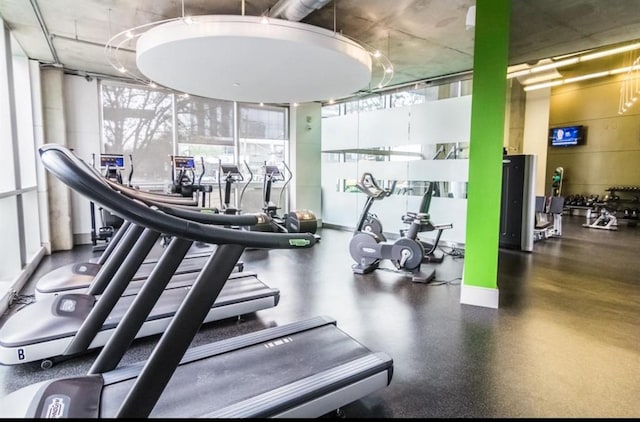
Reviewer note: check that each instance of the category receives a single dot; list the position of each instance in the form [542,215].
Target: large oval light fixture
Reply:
[253,59]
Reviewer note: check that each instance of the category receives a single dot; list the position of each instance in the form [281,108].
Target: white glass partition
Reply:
[419,137]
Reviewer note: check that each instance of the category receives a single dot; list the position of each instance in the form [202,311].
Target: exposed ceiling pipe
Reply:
[45,31]
[295,10]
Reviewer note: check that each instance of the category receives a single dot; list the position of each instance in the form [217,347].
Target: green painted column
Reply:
[490,59]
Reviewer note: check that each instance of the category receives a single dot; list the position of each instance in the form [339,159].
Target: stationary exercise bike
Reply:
[431,254]
[406,253]
[368,221]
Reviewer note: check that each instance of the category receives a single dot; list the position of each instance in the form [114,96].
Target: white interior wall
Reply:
[82,106]
[536,135]
[304,160]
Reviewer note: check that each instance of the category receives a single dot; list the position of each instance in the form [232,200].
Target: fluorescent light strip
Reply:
[555,65]
[543,85]
[580,78]
[573,60]
[611,52]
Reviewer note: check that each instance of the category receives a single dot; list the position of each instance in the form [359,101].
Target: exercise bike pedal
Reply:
[364,269]
[433,258]
[423,277]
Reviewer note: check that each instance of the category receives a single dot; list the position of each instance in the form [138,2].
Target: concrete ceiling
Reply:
[423,38]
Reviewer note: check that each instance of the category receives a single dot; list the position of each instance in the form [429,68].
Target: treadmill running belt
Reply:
[220,381]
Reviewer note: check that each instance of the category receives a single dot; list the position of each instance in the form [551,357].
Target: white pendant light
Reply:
[253,59]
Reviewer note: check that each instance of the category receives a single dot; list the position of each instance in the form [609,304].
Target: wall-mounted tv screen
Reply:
[567,136]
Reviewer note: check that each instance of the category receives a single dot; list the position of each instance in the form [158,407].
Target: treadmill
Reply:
[58,327]
[304,369]
[78,277]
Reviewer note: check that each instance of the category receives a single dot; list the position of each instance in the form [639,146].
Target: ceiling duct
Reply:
[295,10]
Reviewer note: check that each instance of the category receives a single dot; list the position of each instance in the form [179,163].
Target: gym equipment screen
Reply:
[566,136]
[182,162]
[112,161]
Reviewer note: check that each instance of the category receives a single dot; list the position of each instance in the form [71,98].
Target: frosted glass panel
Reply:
[383,128]
[383,170]
[416,142]
[339,208]
[10,256]
[451,170]
[441,121]
[340,132]
[31,223]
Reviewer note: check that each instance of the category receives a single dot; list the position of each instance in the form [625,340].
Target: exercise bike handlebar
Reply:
[370,187]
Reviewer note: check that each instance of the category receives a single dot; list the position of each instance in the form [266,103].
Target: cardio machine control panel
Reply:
[184,162]
[112,161]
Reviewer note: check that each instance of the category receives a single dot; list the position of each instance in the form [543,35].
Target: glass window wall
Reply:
[152,124]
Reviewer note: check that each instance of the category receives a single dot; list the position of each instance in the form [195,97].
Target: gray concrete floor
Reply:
[565,341]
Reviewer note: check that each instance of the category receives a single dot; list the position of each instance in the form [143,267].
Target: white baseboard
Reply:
[479,296]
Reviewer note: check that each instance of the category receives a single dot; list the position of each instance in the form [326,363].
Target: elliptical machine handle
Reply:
[244,188]
[203,171]
[130,172]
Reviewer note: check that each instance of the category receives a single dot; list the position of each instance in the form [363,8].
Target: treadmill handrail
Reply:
[197,214]
[74,172]
[167,198]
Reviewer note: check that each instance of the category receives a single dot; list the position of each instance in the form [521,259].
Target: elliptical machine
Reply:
[183,178]
[296,221]
[231,174]
[368,250]
[112,164]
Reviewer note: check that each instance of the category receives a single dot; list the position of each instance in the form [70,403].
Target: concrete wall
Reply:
[611,154]
[82,105]
[54,117]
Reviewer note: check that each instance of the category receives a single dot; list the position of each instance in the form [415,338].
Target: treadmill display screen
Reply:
[273,170]
[112,161]
[229,169]
[183,162]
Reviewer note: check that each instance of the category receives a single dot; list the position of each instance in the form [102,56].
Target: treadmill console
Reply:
[273,172]
[184,162]
[231,170]
[112,161]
